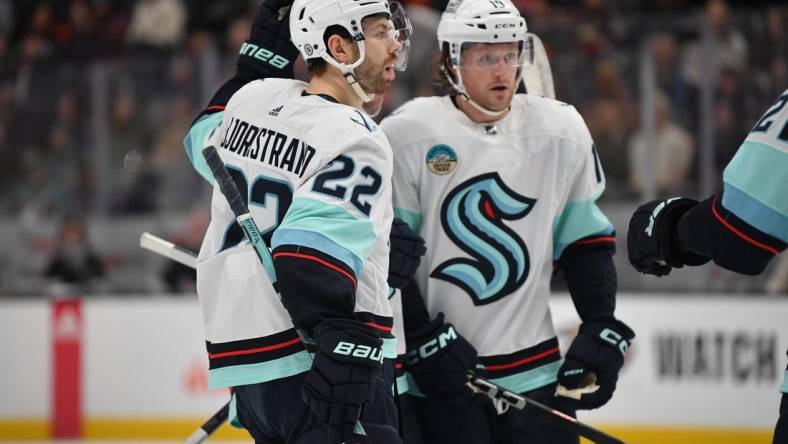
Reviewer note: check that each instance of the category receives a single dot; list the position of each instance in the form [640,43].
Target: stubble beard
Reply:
[371,78]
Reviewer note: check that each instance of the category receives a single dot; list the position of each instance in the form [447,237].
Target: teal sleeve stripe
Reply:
[195,140]
[402,385]
[310,239]
[518,383]
[531,379]
[758,170]
[579,220]
[764,218]
[784,387]
[389,348]
[262,372]
[232,416]
[333,222]
[412,218]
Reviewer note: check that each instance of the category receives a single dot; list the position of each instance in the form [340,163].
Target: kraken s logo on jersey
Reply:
[472,215]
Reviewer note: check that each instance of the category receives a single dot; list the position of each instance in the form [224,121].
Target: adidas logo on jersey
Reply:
[275,112]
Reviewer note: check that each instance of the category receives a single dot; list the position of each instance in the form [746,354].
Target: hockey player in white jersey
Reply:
[502,186]
[741,229]
[316,173]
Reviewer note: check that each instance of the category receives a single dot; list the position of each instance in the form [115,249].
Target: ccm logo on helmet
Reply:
[359,351]
[431,347]
[505,26]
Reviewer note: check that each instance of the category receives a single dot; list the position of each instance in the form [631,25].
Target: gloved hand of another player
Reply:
[595,357]
[348,359]
[651,239]
[439,360]
[407,248]
[269,49]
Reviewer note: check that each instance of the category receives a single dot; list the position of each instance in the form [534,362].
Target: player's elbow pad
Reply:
[713,231]
[314,286]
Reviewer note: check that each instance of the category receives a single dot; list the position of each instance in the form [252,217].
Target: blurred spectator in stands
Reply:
[178,186]
[732,121]
[157,24]
[669,76]
[74,261]
[604,119]
[673,156]
[772,60]
[730,46]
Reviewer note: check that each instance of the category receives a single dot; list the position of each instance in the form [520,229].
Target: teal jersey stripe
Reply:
[784,387]
[531,379]
[333,222]
[261,372]
[389,348]
[579,220]
[759,170]
[751,210]
[195,140]
[402,385]
[412,218]
[519,383]
[232,416]
[304,238]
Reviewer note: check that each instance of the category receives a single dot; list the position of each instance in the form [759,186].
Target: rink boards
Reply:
[702,368]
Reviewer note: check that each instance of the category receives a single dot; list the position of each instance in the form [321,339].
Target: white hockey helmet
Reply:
[477,21]
[309,20]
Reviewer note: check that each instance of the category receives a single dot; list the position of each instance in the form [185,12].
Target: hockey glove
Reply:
[348,359]
[439,360]
[595,358]
[407,248]
[269,51]
[652,242]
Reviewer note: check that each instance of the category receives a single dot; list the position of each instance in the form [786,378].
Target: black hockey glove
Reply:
[652,241]
[269,51]
[439,360]
[595,358]
[348,359]
[407,248]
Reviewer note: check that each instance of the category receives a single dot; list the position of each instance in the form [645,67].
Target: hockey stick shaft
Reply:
[558,418]
[214,422]
[244,218]
[168,250]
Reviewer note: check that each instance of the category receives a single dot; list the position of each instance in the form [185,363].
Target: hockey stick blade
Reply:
[167,249]
[496,392]
[214,422]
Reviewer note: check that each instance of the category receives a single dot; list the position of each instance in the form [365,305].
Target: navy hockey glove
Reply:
[269,51]
[348,359]
[439,360]
[595,358]
[407,248]
[652,241]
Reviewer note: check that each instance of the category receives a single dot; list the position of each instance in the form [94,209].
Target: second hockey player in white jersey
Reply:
[316,173]
[501,187]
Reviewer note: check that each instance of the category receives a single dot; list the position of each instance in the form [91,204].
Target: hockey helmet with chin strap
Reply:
[309,20]
[472,21]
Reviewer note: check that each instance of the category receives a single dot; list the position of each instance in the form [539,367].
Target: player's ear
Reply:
[342,50]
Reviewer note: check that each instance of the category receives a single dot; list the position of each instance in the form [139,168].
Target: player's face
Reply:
[489,73]
[376,73]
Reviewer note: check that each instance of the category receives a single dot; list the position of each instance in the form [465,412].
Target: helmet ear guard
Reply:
[309,20]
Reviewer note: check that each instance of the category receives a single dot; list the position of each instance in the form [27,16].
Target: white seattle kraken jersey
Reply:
[497,204]
[756,179]
[316,174]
